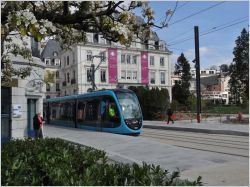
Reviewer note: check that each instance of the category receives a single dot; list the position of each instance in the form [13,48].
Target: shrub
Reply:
[58,162]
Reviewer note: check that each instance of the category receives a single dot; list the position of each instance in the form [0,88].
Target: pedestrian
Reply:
[38,125]
[170,113]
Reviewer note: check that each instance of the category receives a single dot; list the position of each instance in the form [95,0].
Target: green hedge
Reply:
[58,162]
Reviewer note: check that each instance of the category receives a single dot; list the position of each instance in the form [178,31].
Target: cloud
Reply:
[208,56]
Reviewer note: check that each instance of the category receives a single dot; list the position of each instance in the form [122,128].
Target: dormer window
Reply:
[95,38]
[55,53]
[47,62]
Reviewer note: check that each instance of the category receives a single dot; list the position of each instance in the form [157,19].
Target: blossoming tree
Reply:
[68,22]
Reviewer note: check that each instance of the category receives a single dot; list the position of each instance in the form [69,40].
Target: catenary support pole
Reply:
[197,67]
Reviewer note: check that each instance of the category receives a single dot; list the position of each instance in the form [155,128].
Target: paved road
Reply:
[225,170]
[191,162]
[217,143]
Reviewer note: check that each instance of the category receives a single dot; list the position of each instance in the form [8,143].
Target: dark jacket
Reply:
[36,124]
[169,112]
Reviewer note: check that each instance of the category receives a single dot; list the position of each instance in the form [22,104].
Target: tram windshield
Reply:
[129,104]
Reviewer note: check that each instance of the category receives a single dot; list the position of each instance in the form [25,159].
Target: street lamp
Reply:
[93,69]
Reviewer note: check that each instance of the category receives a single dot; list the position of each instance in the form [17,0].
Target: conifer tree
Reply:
[181,89]
[239,69]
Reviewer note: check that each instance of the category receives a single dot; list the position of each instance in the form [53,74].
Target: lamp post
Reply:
[93,69]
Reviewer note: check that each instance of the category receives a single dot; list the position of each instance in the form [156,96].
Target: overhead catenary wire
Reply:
[203,34]
[175,9]
[196,13]
[214,27]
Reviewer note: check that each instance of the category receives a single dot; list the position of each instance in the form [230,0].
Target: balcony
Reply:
[73,81]
[64,83]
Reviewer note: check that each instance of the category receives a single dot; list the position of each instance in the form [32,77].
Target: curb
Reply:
[209,131]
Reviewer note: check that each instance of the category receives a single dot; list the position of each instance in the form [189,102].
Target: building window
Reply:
[103,75]
[162,61]
[57,87]
[129,74]
[134,75]
[64,58]
[162,75]
[57,74]
[73,55]
[123,74]
[211,72]
[152,61]
[74,74]
[68,78]
[128,59]
[122,58]
[134,59]
[103,56]
[95,38]
[55,53]
[152,77]
[89,55]
[57,62]
[67,60]
[89,75]
[47,87]
[47,62]
[108,42]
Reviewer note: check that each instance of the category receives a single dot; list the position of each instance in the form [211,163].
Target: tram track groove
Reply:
[202,139]
[180,141]
[218,137]
[198,142]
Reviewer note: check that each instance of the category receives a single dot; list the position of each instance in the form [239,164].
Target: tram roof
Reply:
[88,94]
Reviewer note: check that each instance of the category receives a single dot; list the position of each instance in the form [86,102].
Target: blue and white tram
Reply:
[92,111]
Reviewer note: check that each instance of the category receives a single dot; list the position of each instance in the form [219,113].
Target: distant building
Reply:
[214,85]
[216,88]
[51,57]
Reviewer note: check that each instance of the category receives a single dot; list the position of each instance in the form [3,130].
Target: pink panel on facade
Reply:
[112,65]
[144,67]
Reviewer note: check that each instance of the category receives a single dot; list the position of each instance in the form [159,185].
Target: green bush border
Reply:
[57,162]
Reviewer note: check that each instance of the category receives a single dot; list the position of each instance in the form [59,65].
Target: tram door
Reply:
[31,113]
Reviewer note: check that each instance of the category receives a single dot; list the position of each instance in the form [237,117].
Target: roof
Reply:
[211,80]
[51,46]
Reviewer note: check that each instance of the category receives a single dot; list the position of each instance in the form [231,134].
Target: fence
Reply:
[211,114]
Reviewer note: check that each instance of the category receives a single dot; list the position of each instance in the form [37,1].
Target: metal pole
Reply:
[197,66]
[93,76]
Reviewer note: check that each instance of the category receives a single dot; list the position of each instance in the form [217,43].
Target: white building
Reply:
[24,97]
[138,65]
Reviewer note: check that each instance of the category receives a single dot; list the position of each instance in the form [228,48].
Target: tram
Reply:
[116,111]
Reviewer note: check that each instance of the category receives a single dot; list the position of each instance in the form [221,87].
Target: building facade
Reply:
[24,97]
[51,58]
[116,66]
[214,85]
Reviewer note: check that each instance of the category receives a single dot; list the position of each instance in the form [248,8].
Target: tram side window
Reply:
[67,111]
[80,111]
[55,109]
[109,110]
[92,110]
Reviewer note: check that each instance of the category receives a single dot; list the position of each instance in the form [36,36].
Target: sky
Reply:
[216,47]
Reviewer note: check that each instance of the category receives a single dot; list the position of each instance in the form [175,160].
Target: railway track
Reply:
[222,144]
